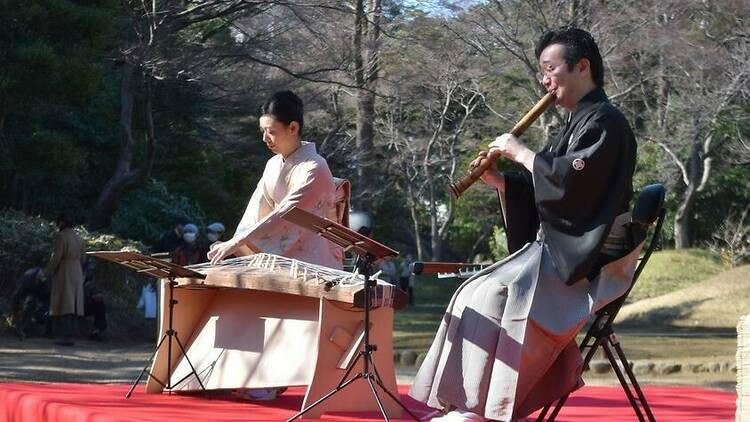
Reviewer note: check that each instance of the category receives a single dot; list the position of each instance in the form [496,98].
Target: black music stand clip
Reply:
[368,251]
[160,269]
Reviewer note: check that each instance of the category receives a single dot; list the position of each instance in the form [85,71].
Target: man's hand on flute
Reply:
[490,176]
[513,149]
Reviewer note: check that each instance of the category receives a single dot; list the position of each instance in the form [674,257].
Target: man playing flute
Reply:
[506,345]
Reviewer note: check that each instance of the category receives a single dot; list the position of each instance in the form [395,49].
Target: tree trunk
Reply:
[125,177]
[697,173]
[436,243]
[365,116]
[415,221]
[682,219]
[366,68]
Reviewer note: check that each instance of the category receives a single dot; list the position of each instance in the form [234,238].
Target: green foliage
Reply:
[52,73]
[24,243]
[476,213]
[499,243]
[146,213]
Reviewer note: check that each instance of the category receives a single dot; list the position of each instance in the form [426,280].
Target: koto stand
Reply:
[159,269]
[368,251]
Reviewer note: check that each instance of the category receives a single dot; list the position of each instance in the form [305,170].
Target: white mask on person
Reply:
[189,237]
[213,237]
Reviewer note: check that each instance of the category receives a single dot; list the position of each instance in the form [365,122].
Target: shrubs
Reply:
[26,242]
[145,213]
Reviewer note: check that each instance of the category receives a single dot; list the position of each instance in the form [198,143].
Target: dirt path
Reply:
[39,360]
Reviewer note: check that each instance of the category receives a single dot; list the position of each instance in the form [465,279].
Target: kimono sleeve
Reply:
[520,218]
[578,194]
[312,190]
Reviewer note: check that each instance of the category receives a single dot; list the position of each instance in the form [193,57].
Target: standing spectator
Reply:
[405,277]
[189,251]
[65,267]
[215,232]
[170,240]
[147,301]
[388,270]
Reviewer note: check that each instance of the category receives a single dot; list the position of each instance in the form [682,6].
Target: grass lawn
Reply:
[670,270]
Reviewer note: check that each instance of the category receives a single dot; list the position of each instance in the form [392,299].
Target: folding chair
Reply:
[648,209]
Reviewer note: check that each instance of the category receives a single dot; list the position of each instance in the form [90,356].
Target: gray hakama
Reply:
[506,345]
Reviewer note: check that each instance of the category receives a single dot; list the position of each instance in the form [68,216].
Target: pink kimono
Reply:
[303,180]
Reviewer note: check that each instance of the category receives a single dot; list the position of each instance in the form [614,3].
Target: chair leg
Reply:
[623,381]
[634,381]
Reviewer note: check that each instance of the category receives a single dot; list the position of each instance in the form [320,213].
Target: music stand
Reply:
[160,269]
[368,251]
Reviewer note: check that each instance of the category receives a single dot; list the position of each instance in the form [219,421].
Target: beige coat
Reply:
[65,267]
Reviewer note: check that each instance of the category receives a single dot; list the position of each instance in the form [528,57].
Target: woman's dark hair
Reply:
[578,44]
[285,107]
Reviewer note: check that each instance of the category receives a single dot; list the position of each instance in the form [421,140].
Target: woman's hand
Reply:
[221,250]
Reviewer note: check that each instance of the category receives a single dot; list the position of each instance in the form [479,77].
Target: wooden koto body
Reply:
[273,273]
[263,325]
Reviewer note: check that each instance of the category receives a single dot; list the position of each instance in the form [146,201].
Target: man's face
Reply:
[557,77]
[278,137]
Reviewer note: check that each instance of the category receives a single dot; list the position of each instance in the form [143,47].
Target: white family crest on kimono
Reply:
[304,180]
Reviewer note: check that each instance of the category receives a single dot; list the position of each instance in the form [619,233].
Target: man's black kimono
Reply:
[506,344]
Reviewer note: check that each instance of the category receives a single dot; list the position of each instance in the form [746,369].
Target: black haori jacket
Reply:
[581,181]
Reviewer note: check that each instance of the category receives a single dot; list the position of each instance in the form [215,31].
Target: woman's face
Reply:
[278,137]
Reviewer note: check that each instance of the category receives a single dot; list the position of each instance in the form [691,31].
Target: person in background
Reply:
[170,240]
[405,277]
[387,270]
[30,302]
[147,301]
[189,251]
[215,232]
[65,267]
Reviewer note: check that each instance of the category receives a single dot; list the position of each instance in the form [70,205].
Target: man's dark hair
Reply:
[578,44]
[63,221]
[285,107]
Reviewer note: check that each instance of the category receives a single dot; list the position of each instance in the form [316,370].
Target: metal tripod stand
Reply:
[369,372]
[168,335]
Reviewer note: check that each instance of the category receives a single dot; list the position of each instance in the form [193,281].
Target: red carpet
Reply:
[106,403]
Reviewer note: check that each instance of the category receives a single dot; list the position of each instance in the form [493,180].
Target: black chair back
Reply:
[647,210]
